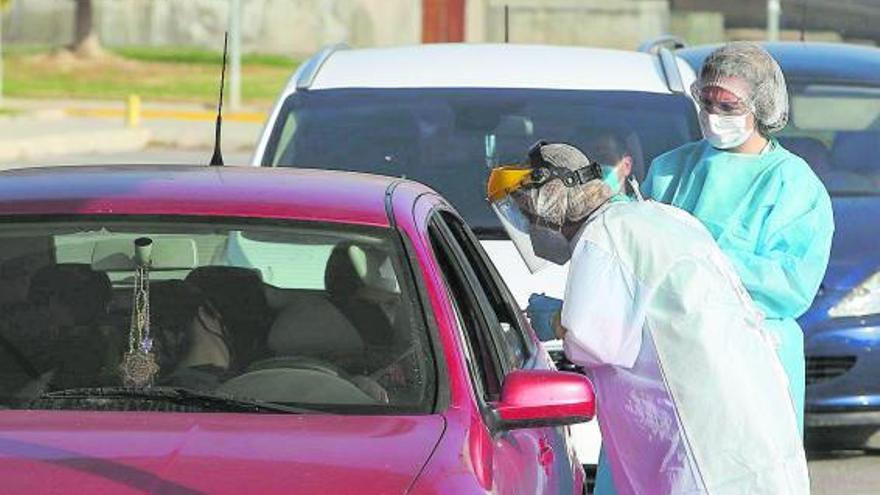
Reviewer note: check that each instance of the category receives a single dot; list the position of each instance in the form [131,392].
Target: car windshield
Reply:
[449,138]
[303,315]
[836,129]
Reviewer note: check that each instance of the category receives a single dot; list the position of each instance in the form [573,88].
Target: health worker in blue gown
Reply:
[768,211]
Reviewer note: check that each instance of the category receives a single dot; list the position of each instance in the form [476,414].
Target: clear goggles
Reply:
[718,99]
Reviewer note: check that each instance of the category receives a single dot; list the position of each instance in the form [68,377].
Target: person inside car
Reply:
[191,340]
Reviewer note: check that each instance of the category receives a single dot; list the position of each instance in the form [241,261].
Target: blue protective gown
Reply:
[772,217]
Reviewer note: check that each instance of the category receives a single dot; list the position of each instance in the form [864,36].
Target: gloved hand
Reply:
[541,311]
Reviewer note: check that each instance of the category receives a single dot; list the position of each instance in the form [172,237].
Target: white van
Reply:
[444,114]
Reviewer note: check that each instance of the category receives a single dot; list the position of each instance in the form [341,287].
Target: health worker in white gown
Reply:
[692,397]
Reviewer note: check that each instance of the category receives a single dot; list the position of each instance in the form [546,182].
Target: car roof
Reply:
[280,193]
[456,65]
[811,61]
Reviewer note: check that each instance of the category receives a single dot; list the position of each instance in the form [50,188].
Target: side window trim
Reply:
[506,295]
[489,318]
[483,336]
[503,294]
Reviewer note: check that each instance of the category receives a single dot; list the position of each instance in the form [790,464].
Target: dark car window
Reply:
[836,129]
[233,309]
[511,328]
[448,138]
[470,306]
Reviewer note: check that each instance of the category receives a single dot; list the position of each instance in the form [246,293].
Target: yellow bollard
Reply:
[133,111]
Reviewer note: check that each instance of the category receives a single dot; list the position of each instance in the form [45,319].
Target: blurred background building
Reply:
[299,27]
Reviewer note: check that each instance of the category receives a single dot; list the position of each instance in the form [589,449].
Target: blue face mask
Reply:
[609,176]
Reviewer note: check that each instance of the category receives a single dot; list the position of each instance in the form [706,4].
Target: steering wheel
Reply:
[296,385]
[376,375]
[367,384]
[302,362]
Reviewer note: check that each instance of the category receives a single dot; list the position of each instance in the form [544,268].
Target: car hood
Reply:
[854,254]
[216,453]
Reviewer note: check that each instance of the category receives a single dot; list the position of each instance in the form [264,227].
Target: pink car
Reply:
[195,330]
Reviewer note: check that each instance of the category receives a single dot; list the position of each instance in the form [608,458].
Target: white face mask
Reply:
[725,131]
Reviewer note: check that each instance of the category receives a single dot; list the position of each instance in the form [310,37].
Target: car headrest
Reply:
[856,151]
[230,284]
[313,326]
[84,291]
[811,150]
[345,270]
[352,268]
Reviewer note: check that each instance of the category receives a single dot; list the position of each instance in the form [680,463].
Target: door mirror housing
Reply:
[538,398]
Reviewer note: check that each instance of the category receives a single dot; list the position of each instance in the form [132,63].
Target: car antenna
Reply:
[803,20]
[217,158]
[506,23]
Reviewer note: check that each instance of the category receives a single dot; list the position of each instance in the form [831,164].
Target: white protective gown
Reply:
[692,398]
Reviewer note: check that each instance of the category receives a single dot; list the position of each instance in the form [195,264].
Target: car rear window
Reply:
[302,315]
[449,138]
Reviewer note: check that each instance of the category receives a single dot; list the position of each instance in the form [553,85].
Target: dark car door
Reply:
[498,340]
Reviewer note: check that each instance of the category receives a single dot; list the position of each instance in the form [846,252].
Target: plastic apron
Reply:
[692,397]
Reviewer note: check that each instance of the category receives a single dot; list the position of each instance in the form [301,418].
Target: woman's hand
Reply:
[556,323]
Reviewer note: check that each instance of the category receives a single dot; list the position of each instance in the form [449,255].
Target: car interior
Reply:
[349,337]
[848,165]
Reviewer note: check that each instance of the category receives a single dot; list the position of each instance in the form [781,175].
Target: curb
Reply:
[188,115]
[109,141]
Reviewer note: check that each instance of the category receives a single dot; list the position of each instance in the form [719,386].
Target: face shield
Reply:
[508,198]
[512,194]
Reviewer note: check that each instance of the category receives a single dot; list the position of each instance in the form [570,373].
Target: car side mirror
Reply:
[536,398]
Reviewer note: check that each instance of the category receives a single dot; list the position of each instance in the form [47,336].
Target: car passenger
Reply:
[191,339]
[609,148]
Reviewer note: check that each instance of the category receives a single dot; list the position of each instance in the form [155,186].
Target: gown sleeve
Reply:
[784,271]
[666,172]
[601,312]
[650,187]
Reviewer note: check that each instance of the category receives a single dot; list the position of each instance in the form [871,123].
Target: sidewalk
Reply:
[41,128]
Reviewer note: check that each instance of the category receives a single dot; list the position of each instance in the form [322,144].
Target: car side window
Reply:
[511,325]
[286,136]
[469,304]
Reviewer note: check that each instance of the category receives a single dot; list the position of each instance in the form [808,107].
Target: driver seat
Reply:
[343,285]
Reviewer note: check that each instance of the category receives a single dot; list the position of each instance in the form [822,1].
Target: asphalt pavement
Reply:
[845,473]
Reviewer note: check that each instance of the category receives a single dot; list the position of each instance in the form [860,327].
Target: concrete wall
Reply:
[605,23]
[847,18]
[296,27]
[698,28]
[45,22]
[300,27]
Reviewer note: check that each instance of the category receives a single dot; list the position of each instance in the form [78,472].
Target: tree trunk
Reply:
[85,39]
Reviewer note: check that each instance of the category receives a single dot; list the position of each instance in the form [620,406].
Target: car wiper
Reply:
[177,395]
